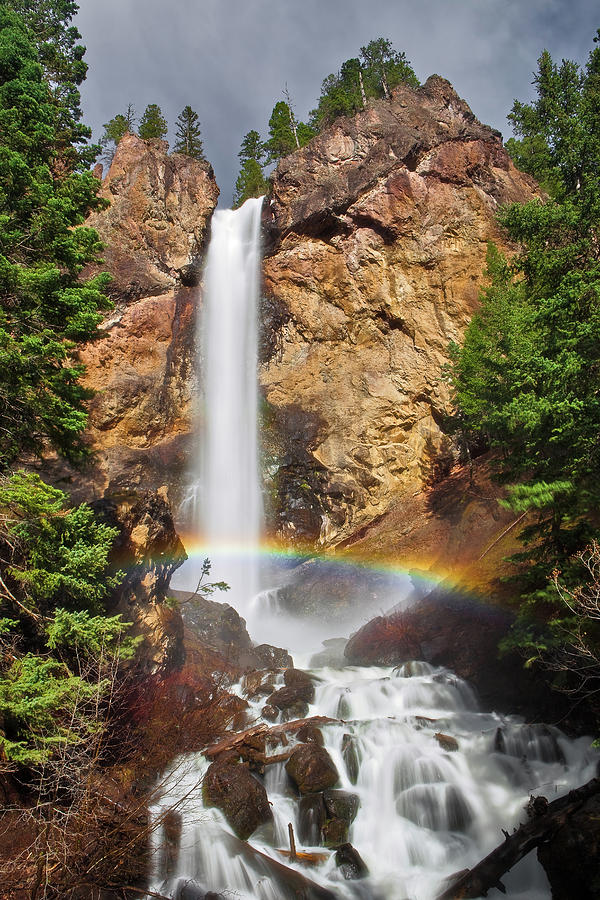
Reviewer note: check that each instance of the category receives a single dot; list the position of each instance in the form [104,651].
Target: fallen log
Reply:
[241,737]
[288,879]
[545,819]
[308,857]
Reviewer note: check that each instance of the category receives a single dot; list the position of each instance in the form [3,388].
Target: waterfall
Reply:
[434,778]
[225,499]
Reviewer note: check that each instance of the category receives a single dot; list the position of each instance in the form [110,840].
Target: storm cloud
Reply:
[231,59]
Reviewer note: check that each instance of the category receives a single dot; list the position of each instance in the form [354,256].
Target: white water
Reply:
[425,812]
[224,502]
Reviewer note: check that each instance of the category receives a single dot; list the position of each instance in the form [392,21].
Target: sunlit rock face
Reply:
[155,232]
[376,239]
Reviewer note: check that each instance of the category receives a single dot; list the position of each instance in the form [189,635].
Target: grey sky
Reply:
[231,59]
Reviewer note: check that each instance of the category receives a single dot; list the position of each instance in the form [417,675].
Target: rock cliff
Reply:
[376,240]
[155,231]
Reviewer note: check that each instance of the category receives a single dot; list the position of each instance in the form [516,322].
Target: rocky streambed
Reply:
[359,782]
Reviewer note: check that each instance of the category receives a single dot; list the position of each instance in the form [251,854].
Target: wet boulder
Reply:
[311,769]
[258,683]
[310,734]
[446,742]
[341,804]
[238,794]
[311,819]
[571,857]
[273,657]
[293,699]
[351,757]
[335,832]
[269,712]
[350,862]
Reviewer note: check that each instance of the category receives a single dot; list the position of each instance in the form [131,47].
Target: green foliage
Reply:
[85,635]
[187,133]
[45,309]
[285,133]
[379,69]
[153,125]
[61,56]
[114,131]
[38,697]
[62,556]
[527,376]
[251,181]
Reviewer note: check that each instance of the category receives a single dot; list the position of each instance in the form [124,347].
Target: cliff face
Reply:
[376,240]
[155,232]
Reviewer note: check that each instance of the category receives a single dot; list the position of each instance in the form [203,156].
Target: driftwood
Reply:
[303,888]
[241,737]
[545,819]
[308,857]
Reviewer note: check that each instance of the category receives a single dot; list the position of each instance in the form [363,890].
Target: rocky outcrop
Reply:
[377,233]
[147,551]
[155,231]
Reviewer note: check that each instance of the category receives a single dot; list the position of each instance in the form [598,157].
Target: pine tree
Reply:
[114,131]
[378,70]
[187,133]
[251,181]
[45,309]
[286,134]
[153,125]
[527,375]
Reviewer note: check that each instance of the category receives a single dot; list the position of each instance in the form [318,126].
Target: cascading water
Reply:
[436,779]
[224,503]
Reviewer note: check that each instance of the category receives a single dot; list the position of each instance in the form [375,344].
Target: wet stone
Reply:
[311,819]
[350,862]
[311,769]
[341,804]
[310,734]
[351,757]
[335,832]
[269,712]
[446,742]
[239,795]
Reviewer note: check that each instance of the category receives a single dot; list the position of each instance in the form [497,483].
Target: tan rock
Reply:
[377,233]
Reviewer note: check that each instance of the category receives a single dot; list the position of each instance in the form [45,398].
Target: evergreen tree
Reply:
[187,133]
[285,133]
[114,130]
[61,56]
[379,69]
[45,309]
[527,375]
[251,181]
[153,125]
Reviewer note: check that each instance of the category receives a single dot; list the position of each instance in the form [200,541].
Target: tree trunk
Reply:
[545,819]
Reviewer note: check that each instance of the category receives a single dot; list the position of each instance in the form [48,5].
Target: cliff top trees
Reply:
[251,181]
[286,134]
[187,133]
[153,125]
[114,131]
[378,70]
[528,374]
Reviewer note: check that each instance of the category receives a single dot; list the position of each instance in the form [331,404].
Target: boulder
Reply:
[294,698]
[311,819]
[310,734]
[341,804]
[571,858]
[311,769]
[351,756]
[335,832]
[238,794]
[350,862]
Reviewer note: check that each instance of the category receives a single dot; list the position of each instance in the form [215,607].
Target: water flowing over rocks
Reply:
[376,240]
[243,799]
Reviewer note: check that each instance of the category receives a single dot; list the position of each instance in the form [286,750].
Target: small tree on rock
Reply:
[187,132]
[153,125]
